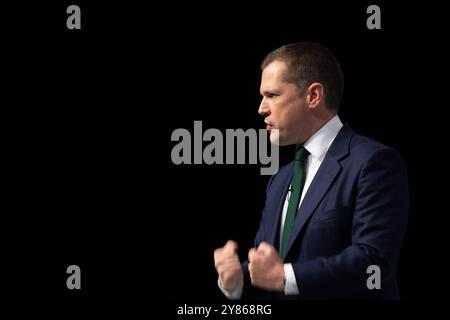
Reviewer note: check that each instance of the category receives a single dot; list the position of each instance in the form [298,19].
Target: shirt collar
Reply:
[319,143]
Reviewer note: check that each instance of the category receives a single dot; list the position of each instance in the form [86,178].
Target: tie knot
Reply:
[301,154]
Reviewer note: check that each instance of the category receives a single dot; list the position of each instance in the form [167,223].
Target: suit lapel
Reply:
[324,178]
[322,181]
[284,187]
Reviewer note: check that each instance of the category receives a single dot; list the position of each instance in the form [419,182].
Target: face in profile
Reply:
[283,106]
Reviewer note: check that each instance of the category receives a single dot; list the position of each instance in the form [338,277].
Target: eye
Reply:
[271,95]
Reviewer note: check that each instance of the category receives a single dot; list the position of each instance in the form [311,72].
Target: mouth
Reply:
[269,126]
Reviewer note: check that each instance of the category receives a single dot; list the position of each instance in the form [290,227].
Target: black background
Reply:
[87,117]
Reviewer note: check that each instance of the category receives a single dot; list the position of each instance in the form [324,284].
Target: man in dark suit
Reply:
[333,215]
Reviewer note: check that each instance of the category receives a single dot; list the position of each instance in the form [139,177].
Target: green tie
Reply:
[296,191]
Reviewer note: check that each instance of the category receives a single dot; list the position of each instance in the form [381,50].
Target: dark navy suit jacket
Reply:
[353,215]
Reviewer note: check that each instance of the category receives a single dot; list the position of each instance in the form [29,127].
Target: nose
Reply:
[264,109]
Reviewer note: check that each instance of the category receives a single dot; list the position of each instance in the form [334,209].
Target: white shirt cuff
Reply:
[235,294]
[290,286]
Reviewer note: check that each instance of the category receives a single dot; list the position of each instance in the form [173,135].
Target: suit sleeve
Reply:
[379,221]
[250,292]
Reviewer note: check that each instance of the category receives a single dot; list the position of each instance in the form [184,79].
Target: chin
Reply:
[275,137]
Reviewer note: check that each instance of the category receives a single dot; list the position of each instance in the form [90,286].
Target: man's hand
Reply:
[266,268]
[228,266]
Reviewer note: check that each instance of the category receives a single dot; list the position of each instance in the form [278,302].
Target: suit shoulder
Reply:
[366,149]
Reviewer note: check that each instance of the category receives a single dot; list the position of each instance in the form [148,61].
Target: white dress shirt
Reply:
[317,146]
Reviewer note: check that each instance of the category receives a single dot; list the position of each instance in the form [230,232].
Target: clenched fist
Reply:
[266,268]
[228,266]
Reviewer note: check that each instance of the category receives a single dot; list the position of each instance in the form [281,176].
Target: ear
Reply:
[314,94]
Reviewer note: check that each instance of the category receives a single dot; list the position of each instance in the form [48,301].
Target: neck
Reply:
[317,123]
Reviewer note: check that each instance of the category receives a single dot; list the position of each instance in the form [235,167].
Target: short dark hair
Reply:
[309,62]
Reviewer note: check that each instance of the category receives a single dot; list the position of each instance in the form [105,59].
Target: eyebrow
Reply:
[269,92]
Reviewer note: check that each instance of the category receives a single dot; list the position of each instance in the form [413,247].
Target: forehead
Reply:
[272,76]
[274,70]
[273,73]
